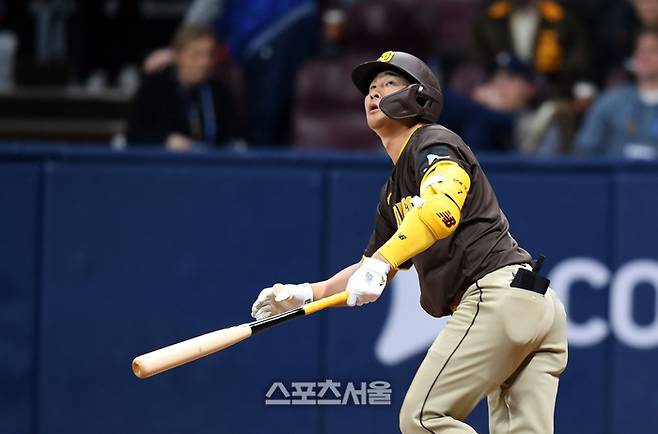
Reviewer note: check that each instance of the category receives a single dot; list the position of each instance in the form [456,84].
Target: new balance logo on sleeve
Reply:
[447,219]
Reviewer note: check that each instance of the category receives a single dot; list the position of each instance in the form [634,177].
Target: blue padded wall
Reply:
[105,255]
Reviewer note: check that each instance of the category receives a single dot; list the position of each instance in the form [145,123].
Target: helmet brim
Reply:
[364,73]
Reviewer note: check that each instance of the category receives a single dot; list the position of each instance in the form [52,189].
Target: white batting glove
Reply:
[280,298]
[367,282]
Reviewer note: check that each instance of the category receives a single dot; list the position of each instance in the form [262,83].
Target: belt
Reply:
[524,279]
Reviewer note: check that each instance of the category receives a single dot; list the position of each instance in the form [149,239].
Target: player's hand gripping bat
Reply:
[169,357]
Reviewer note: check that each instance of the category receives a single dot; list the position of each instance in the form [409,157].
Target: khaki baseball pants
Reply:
[508,344]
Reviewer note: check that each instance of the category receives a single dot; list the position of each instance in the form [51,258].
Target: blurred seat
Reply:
[449,23]
[374,26]
[62,114]
[452,22]
[421,27]
[328,110]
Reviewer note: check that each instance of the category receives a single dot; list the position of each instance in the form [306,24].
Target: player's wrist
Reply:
[306,292]
[389,259]
[367,282]
[379,263]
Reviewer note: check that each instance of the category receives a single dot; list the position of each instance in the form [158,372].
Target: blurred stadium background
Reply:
[135,213]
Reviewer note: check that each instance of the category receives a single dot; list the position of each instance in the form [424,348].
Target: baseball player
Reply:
[507,337]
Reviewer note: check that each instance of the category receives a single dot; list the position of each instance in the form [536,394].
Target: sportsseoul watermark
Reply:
[329,392]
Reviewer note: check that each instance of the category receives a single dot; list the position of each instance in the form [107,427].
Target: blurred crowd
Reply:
[539,77]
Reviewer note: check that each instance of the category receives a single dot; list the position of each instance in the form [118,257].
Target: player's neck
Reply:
[394,136]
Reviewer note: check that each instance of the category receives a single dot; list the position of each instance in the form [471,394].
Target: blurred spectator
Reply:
[511,87]
[181,106]
[8,46]
[503,113]
[269,39]
[624,120]
[40,25]
[333,33]
[538,32]
[539,128]
[609,24]
[488,118]
[485,129]
[616,31]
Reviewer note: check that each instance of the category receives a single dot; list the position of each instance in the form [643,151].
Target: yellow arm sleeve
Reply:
[435,215]
[449,178]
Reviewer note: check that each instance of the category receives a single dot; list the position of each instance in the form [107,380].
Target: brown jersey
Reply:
[480,244]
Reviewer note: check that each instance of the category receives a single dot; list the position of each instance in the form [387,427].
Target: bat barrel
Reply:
[161,360]
[157,361]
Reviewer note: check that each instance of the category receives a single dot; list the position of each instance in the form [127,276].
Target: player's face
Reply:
[384,83]
[196,60]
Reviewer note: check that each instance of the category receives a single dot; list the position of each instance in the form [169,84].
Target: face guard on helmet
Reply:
[421,99]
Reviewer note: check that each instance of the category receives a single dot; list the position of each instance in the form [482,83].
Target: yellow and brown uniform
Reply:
[504,340]
[481,241]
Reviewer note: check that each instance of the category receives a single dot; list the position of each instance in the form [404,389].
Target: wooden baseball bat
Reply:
[169,357]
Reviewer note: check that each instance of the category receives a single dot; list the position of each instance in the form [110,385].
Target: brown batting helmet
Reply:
[422,99]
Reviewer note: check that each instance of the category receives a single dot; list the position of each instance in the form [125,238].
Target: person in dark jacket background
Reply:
[541,33]
[183,107]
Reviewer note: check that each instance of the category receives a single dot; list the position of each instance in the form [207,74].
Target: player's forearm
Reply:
[335,284]
[338,282]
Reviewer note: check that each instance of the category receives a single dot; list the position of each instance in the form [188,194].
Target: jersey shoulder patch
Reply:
[429,155]
[432,158]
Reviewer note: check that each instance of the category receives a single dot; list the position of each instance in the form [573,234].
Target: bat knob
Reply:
[137,369]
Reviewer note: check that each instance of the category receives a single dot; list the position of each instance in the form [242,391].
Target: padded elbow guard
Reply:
[447,178]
